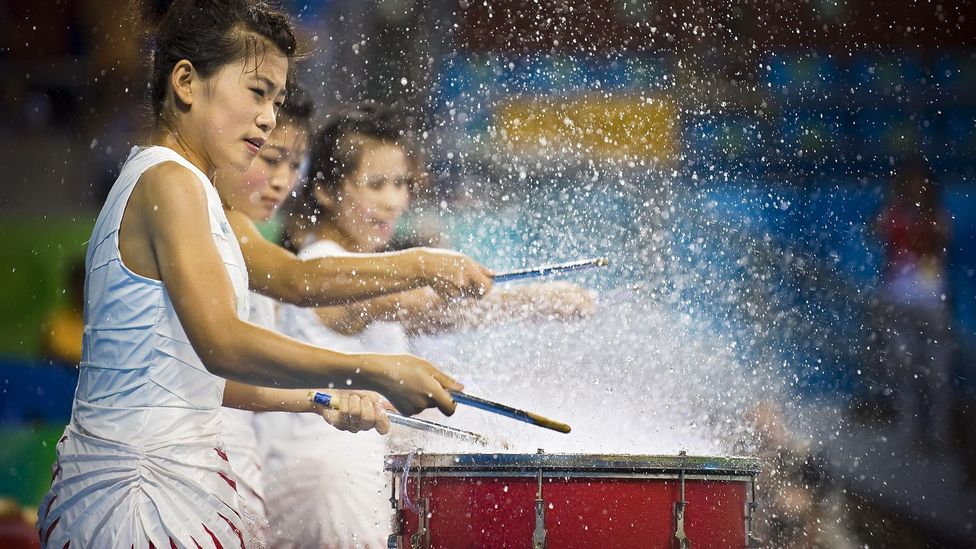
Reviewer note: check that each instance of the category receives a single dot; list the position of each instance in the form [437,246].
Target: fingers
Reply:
[356,411]
[417,385]
[364,408]
[444,401]
[445,381]
[460,276]
[382,423]
[481,280]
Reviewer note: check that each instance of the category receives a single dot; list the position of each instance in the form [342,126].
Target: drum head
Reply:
[576,463]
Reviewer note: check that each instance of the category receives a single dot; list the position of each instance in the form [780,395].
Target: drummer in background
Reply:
[254,196]
[330,490]
[802,506]
[249,197]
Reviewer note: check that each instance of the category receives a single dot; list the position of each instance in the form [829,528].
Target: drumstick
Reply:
[545,270]
[508,411]
[412,422]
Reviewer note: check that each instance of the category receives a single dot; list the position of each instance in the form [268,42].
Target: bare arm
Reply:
[404,307]
[197,282]
[422,311]
[350,411]
[278,273]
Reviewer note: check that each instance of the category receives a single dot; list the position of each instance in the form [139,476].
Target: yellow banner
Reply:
[596,126]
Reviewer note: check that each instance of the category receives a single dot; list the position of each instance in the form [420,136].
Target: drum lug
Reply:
[421,538]
[539,535]
[752,542]
[396,521]
[680,538]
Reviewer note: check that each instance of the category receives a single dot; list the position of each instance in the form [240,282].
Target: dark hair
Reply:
[210,34]
[333,156]
[298,107]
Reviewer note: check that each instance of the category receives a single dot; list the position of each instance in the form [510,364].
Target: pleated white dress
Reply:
[325,487]
[141,463]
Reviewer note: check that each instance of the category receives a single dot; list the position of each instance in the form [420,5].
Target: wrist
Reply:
[371,372]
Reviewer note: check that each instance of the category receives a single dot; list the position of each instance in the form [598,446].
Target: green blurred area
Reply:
[27,454]
[35,258]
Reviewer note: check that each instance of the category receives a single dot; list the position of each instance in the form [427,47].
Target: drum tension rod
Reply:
[680,538]
[421,538]
[539,535]
[396,521]
[752,542]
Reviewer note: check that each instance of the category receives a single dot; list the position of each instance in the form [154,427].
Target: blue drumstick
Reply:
[508,411]
[546,270]
[324,399]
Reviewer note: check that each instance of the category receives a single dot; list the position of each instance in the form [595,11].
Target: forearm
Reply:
[518,304]
[418,311]
[265,399]
[403,306]
[407,308]
[340,280]
[249,354]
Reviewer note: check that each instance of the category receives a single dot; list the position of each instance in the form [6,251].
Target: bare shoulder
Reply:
[164,193]
[169,200]
[170,181]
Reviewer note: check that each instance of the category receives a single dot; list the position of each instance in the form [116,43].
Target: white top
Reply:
[143,450]
[326,488]
[304,324]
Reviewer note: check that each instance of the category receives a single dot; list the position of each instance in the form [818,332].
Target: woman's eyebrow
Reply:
[270,84]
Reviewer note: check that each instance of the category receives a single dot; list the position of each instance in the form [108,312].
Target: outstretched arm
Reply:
[422,311]
[278,273]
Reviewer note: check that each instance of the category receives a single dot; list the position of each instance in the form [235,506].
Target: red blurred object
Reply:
[494,500]
[17,533]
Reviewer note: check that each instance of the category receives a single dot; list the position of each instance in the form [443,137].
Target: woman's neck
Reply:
[329,231]
[164,137]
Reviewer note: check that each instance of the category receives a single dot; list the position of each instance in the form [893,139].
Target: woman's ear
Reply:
[181,79]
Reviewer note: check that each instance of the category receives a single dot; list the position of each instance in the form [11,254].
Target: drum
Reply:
[571,500]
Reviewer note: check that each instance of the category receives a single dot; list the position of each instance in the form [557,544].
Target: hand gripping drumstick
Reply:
[546,270]
[508,411]
[412,422]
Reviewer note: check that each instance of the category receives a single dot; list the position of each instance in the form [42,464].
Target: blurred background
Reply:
[793,177]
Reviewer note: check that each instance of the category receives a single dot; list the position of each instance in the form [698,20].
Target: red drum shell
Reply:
[488,500]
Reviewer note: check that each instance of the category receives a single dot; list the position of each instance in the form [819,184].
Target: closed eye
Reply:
[376,183]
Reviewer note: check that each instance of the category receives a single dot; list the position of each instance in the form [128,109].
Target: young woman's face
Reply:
[234,111]
[259,191]
[372,199]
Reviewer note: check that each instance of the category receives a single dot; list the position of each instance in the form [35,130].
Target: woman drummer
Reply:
[141,462]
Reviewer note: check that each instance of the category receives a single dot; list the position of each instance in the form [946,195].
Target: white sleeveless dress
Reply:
[325,487]
[141,462]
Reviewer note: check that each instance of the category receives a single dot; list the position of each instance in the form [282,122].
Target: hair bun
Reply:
[153,12]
